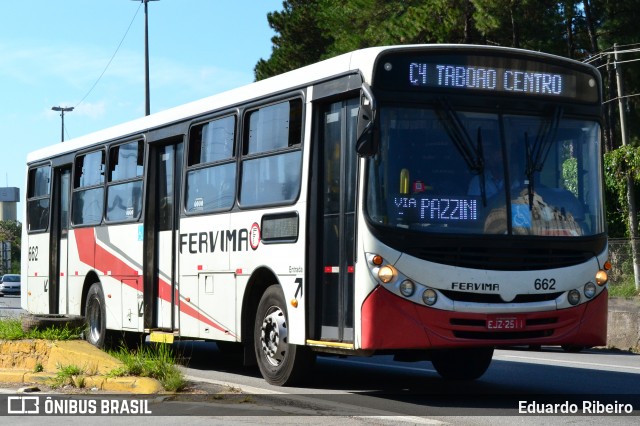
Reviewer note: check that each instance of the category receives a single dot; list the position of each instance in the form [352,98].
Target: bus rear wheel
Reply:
[280,363]
[462,364]
[95,316]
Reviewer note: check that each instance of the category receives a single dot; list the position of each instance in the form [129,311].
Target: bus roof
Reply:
[296,78]
[361,60]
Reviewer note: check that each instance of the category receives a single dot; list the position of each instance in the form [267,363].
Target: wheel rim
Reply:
[273,336]
[94,320]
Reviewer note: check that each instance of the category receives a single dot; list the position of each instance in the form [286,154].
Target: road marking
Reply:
[407,419]
[244,388]
[547,360]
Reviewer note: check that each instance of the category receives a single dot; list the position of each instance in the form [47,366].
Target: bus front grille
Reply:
[462,296]
[501,259]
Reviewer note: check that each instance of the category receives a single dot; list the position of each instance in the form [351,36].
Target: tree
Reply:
[300,40]
[11,231]
[579,29]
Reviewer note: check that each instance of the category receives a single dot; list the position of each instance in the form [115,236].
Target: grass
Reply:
[157,361]
[624,290]
[69,375]
[11,329]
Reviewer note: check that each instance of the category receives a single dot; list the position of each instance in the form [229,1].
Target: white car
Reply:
[10,284]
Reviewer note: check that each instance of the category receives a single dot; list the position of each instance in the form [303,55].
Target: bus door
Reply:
[161,296]
[336,164]
[58,270]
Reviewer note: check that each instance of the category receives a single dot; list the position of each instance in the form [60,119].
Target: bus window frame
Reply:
[243,147]
[100,148]
[108,183]
[47,196]
[233,159]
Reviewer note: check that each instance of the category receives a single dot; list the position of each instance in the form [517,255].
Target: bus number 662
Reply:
[544,284]
[33,253]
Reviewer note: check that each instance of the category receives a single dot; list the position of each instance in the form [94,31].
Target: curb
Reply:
[20,359]
[138,385]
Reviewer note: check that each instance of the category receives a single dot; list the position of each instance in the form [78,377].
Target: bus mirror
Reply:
[365,145]
[367,141]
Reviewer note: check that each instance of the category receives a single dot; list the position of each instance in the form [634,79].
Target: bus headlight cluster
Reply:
[589,290]
[429,297]
[574,297]
[397,282]
[407,288]
[386,273]
[602,277]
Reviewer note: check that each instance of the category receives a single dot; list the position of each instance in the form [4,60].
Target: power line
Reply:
[112,56]
[618,62]
[621,97]
[607,52]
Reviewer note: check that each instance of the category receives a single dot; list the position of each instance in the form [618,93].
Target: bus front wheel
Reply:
[280,362]
[462,364]
[95,316]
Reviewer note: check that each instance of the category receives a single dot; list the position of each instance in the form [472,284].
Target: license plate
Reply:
[505,323]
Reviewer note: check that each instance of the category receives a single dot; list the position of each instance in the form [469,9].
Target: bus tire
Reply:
[95,316]
[462,364]
[280,363]
[42,322]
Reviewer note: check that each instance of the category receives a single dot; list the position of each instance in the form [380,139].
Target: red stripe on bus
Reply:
[105,261]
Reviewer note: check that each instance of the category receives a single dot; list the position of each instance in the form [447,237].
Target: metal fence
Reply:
[621,260]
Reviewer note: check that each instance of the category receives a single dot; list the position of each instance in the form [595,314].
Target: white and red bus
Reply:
[431,202]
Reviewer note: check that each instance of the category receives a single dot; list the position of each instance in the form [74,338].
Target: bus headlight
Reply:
[589,290]
[574,297]
[386,273]
[601,278]
[429,297]
[407,288]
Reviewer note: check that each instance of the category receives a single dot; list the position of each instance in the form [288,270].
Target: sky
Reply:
[57,53]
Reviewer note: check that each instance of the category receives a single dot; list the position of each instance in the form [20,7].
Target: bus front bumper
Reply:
[390,322]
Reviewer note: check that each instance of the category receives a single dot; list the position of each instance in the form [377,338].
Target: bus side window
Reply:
[124,186]
[272,167]
[211,173]
[38,193]
[88,189]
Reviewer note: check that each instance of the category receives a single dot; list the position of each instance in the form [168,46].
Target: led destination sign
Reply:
[437,209]
[503,74]
[483,78]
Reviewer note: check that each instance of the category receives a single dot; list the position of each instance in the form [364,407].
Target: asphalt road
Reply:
[383,388]
[10,306]
[380,391]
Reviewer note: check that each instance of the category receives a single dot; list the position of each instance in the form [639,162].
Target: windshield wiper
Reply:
[537,154]
[472,155]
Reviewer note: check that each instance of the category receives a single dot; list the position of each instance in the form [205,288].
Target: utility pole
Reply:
[631,198]
[147,103]
[62,111]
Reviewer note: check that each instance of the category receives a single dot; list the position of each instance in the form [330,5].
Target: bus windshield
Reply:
[441,170]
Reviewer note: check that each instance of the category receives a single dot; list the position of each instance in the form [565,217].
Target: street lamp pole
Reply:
[62,111]
[147,107]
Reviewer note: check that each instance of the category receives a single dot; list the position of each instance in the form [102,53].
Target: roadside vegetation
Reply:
[156,361]
[11,329]
[71,375]
[625,289]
